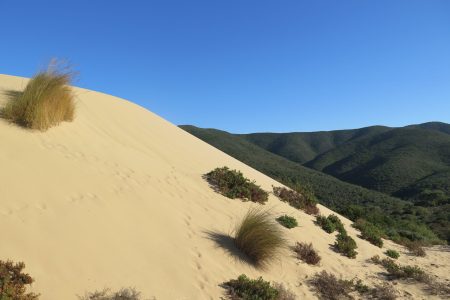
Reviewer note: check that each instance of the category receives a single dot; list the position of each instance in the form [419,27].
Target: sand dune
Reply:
[116,198]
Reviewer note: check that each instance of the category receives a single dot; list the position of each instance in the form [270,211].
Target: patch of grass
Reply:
[251,289]
[301,198]
[233,184]
[307,253]
[13,282]
[330,223]
[369,232]
[392,254]
[415,248]
[346,245]
[259,237]
[287,221]
[107,294]
[329,287]
[46,101]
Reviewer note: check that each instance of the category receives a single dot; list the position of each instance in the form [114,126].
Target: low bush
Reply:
[369,232]
[328,286]
[346,245]
[283,292]
[287,221]
[13,282]
[330,223]
[307,253]
[106,294]
[415,248]
[383,292]
[259,237]
[46,101]
[233,184]
[392,254]
[396,271]
[251,289]
[300,198]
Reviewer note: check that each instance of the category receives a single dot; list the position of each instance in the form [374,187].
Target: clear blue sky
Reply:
[247,66]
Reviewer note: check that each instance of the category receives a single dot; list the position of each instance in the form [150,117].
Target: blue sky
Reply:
[247,66]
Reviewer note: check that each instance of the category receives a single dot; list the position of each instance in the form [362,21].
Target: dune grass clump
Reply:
[392,254]
[13,282]
[328,286]
[107,294]
[46,101]
[259,237]
[287,221]
[369,232]
[301,197]
[346,245]
[330,223]
[233,184]
[307,253]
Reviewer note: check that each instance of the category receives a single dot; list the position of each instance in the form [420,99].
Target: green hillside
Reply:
[398,218]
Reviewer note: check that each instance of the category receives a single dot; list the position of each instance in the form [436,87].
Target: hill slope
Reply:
[116,198]
[396,216]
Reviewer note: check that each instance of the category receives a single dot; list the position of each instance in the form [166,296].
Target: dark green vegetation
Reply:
[396,178]
[302,197]
[345,245]
[330,223]
[107,294]
[369,232]
[13,282]
[259,237]
[396,271]
[392,254]
[307,253]
[244,288]
[232,184]
[287,221]
[46,101]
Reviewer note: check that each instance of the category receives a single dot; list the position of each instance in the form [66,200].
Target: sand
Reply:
[116,199]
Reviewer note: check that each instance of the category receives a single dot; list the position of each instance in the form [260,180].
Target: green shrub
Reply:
[251,289]
[46,101]
[301,198]
[328,286]
[106,294]
[392,253]
[307,253]
[360,287]
[346,245]
[13,282]
[259,237]
[396,271]
[369,232]
[287,221]
[233,184]
[330,223]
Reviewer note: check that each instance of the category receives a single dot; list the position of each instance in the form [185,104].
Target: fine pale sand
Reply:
[116,199]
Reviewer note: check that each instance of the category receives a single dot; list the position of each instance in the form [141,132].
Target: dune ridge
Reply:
[116,198]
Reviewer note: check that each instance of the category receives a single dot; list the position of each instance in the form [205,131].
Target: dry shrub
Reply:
[384,292]
[301,198]
[106,294]
[13,282]
[330,287]
[307,253]
[283,292]
[46,101]
[259,237]
[415,248]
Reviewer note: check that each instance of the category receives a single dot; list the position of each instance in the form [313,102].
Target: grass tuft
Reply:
[46,101]
[259,237]
[307,253]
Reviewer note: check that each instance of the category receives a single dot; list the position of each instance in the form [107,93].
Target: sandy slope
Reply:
[116,198]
